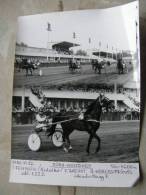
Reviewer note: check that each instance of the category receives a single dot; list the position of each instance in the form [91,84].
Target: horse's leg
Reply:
[89,143]
[69,143]
[95,69]
[118,70]
[26,72]
[30,70]
[33,70]
[19,68]
[98,139]
[122,70]
[99,70]
[64,143]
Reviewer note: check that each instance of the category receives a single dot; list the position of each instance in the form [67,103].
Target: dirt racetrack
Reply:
[61,74]
[119,143]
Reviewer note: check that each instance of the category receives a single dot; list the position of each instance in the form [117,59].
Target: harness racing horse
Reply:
[120,66]
[96,65]
[73,66]
[90,123]
[25,65]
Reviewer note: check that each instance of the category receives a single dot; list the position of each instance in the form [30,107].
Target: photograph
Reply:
[76,87]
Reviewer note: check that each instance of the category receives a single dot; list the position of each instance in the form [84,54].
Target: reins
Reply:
[68,115]
[55,123]
[89,120]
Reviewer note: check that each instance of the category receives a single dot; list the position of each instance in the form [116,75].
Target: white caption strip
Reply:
[74,174]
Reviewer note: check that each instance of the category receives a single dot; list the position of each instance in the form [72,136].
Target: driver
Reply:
[101,97]
[48,108]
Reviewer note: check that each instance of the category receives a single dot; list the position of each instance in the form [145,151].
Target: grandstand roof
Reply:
[64,44]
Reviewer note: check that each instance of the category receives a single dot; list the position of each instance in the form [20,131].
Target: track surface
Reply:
[61,74]
[119,143]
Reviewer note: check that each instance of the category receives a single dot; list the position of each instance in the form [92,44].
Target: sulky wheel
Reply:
[57,138]
[34,142]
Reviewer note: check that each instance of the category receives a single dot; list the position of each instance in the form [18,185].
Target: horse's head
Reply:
[104,102]
[94,110]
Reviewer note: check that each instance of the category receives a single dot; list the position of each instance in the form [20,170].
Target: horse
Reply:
[96,65]
[121,66]
[25,65]
[73,66]
[90,123]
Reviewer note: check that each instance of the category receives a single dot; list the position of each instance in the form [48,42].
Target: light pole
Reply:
[48,41]
[116,54]
[74,37]
[112,52]
[89,40]
[48,30]
[99,48]
[107,52]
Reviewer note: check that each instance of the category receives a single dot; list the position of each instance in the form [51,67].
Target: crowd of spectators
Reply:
[125,112]
[16,108]
[93,88]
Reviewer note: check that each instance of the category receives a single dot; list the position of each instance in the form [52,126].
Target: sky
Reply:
[113,27]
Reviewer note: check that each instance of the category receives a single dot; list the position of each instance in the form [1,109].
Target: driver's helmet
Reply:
[74,60]
[41,110]
[49,103]
[101,96]
[42,100]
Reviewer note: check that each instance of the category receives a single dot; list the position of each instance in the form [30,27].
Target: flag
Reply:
[99,44]
[48,26]
[74,35]
[107,46]
[89,40]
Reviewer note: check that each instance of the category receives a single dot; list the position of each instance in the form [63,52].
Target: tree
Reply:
[71,52]
[22,44]
[81,52]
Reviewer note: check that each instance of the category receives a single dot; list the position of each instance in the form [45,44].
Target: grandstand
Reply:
[67,99]
[24,100]
[127,56]
[59,52]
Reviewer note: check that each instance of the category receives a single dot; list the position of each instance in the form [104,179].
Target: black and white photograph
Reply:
[76,89]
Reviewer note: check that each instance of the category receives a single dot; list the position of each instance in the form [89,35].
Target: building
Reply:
[67,99]
[60,53]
